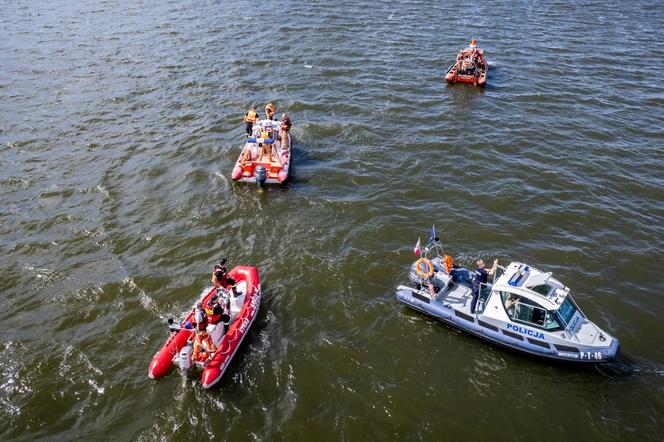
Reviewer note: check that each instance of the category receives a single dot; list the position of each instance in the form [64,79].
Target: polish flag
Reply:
[417,247]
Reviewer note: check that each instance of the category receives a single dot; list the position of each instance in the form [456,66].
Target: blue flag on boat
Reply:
[433,234]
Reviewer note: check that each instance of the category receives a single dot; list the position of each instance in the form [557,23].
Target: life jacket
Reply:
[448,263]
[250,117]
[213,313]
[201,344]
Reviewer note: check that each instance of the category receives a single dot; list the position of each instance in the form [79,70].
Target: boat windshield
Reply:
[567,310]
[524,310]
[542,289]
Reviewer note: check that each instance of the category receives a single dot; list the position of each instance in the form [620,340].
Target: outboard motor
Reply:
[185,358]
[261,175]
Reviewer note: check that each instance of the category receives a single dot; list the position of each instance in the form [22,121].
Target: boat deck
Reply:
[458,296]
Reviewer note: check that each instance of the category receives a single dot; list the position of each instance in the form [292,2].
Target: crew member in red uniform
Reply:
[214,310]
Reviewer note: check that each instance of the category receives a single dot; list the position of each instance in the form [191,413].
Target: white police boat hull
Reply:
[547,326]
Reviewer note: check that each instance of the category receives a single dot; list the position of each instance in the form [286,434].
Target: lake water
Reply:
[119,126]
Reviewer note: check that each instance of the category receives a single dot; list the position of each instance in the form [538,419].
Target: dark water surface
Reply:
[119,125]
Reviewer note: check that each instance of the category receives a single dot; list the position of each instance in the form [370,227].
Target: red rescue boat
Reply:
[245,303]
[470,66]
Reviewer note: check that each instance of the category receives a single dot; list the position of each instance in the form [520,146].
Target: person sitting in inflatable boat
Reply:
[204,348]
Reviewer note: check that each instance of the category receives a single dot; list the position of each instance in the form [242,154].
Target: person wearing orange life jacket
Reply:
[203,347]
[286,124]
[249,119]
[270,110]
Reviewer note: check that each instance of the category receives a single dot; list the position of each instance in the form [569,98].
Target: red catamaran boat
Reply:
[470,66]
[244,303]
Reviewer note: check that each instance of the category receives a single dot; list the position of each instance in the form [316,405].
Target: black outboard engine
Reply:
[261,175]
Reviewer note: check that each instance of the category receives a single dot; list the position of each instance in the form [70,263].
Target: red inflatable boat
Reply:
[243,311]
[470,66]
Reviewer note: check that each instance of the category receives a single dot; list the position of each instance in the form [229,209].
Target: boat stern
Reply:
[213,372]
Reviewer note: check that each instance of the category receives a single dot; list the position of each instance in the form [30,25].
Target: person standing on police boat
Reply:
[481,277]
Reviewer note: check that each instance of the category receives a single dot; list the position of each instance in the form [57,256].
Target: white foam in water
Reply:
[143,298]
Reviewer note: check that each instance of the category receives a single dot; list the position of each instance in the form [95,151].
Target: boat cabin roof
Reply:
[529,282]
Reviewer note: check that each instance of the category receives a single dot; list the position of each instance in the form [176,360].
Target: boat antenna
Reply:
[436,245]
[439,247]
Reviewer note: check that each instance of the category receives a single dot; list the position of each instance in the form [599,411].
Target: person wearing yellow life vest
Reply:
[270,110]
[203,347]
[249,119]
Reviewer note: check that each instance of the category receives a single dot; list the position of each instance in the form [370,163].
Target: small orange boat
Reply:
[470,66]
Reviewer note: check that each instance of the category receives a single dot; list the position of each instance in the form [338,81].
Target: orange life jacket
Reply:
[448,263]
[203,347]
[250,117]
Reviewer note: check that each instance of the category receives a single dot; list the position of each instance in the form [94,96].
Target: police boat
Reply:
[522,308]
